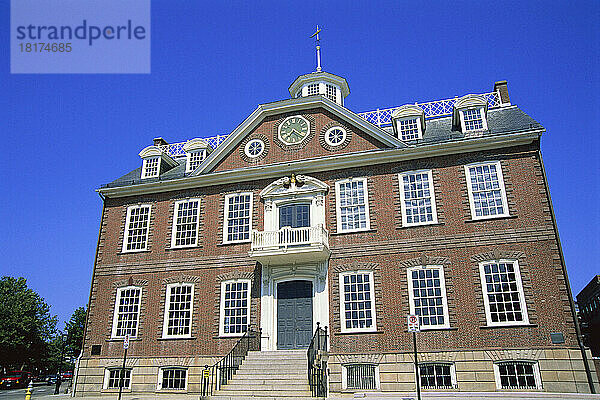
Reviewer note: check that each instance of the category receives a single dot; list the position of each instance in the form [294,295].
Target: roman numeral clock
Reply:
[294,130]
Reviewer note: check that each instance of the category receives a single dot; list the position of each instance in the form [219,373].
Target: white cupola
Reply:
[334,87]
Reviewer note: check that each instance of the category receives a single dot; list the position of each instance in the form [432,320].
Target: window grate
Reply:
[174,378]
[179,310]
[517,375]
[361,376]
[114,377]
[436,376]
[128,311]
[186,223]
[235,307]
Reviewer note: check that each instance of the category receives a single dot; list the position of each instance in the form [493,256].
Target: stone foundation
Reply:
[560,370]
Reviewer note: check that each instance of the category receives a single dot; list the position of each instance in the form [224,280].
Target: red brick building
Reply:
[310,213]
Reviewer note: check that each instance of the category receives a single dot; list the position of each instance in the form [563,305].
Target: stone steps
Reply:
[271,375]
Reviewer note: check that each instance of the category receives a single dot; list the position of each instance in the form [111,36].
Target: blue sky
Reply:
[212,64]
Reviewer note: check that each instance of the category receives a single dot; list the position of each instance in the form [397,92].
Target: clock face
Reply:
[293,130]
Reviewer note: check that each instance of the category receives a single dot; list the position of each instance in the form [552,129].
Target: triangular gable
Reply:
[288,106]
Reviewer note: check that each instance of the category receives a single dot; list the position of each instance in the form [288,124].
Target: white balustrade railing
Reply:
[379,117]
[290,237]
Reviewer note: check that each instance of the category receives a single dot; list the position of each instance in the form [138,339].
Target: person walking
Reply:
[58,382]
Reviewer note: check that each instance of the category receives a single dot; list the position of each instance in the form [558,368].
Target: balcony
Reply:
[290,245]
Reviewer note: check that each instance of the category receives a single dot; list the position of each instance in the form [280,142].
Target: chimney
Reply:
[502,87]
[162,142]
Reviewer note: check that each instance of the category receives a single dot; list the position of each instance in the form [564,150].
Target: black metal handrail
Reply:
[317,363]
[217,375]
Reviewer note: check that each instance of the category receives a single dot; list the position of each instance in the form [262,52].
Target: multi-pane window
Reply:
[357,301]
[331,92]
[517,375]
[473,120]
[185,223]
[235,307]
[151,167]
[136,228]
[173,379]
[194,159]
[238,217]
[437,376]
[127,311]
[427,294]
[486,190]
[352,205]
[178,310]
[361,376]
[417,198]
[313,88]
[503,293]
[254,148]
[409,129]
[113,378]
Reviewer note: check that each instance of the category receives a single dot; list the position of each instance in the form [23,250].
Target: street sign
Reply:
[126,342]
[413,323]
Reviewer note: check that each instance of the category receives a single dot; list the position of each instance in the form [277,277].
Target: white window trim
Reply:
[343,137]
[226,219]
[144,172]
[536,374]
[345,376]
[113,334]
[486,301]
[222,307]
[419,128]
[409,271]
[338,206]
[402,197]
[126,233]
[502,190]
[453,379]
[372,328]
[167,305]
[174,227]
[107,378]
[188,156]
[247,148]
[483,119]
[160,378]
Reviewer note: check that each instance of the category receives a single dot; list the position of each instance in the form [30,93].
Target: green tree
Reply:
[74,330]
[26,326]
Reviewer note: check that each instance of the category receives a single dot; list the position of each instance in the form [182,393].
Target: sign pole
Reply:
[414,335]
[122,377]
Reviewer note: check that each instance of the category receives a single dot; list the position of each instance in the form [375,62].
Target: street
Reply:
[39,389]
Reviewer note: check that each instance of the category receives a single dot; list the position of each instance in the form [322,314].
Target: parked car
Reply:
[51,379]
[15,379]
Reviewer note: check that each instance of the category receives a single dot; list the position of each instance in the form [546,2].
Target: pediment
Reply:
[294,186]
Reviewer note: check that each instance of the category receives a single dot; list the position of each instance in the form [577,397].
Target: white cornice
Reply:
[292,105]
[334,162]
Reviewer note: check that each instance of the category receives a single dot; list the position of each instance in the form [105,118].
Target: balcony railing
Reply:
[311,242]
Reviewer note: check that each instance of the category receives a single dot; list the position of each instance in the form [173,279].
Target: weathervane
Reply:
[318,48]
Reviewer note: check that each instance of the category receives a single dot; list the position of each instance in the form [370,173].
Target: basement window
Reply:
[112,378]
[517,375]
[360,377]
[172,378]
[437,375]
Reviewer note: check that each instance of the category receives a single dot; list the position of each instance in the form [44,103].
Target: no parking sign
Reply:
[413,323]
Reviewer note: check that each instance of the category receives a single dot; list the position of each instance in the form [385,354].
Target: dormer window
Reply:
[470,114]
[331,92]
[196,151]
[409,122]
[313,89]
[155,162]
[151,167]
